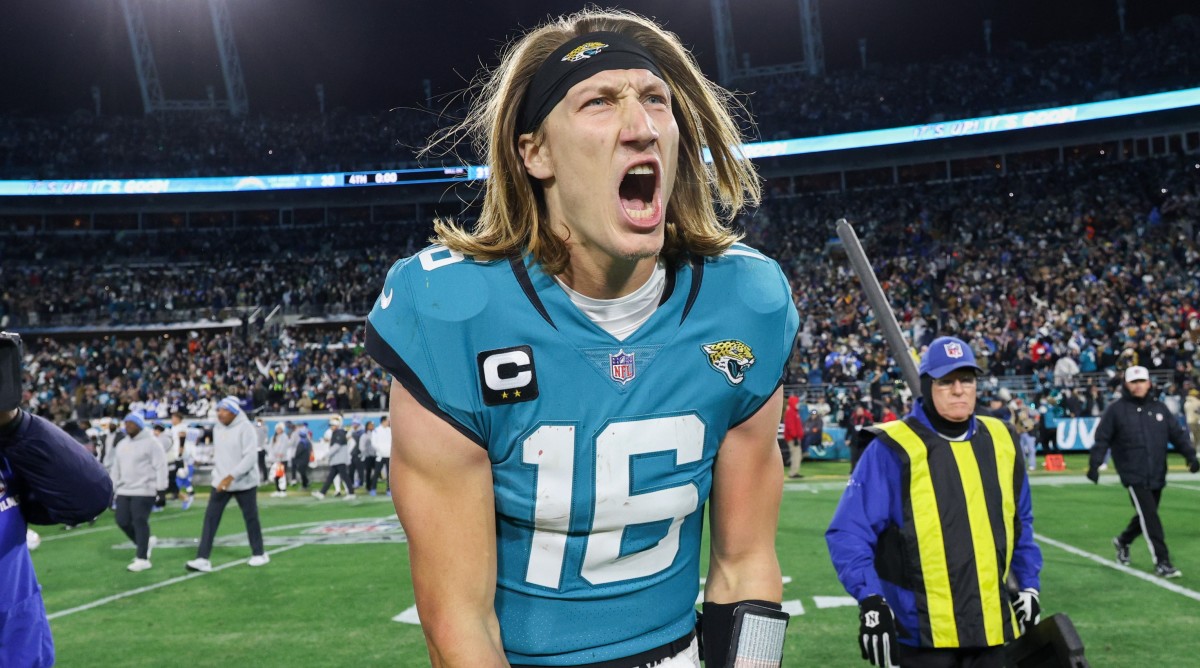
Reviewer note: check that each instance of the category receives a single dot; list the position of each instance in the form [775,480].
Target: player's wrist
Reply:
[722,627]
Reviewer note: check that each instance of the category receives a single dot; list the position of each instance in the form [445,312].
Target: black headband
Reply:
[575,61]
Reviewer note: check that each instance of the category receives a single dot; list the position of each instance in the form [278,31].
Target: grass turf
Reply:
[329,599]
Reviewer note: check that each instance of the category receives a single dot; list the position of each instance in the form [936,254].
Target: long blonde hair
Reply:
[513,215]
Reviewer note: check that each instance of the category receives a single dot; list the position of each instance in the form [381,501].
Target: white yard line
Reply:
[1108,561]
[159,585]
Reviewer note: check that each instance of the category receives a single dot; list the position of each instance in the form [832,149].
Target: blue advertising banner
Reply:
[833,445]
[1077,433]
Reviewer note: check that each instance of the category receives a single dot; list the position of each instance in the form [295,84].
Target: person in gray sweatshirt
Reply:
[234,475]
[339,459]
[139,473]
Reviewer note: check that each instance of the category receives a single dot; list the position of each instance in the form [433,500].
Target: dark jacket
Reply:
[1138,432]
[45,478]
[56,480]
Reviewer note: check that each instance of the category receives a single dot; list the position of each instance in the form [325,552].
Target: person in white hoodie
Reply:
[234,475]
[139,473]
[381,441]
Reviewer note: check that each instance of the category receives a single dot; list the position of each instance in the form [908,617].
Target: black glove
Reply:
[877,631]
[10,370]
[1027,609]
[1194,465]
[1093,475]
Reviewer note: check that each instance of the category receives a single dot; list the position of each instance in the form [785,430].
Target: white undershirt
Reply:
[622,316]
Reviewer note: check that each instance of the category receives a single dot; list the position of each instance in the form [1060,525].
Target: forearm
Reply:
[453,574]
[753,575]
[455,639]
[744,512]
[440,479]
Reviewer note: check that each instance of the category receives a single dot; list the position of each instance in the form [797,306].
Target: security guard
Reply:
[935,517]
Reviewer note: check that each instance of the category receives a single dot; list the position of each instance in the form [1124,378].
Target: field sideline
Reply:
[338,579]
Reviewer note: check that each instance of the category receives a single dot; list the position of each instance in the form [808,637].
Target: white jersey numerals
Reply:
[552,449]
[438,256]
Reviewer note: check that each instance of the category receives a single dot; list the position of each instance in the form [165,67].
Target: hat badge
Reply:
[953,350]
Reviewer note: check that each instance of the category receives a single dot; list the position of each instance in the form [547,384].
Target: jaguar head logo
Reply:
[731,358]
[584,51]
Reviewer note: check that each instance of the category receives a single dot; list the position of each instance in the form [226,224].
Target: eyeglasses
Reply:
[967,381]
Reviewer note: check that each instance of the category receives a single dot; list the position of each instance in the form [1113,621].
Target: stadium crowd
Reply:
[177,275]
[288,371]
[1014,77]
[1062,277]
[1063,274]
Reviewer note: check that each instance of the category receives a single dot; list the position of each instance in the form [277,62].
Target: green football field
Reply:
[337,590]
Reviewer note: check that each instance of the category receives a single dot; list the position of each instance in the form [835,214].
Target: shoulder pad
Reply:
[438,283]
[759,282]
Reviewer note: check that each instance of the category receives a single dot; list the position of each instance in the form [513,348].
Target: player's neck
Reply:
[622,316]
[606,278]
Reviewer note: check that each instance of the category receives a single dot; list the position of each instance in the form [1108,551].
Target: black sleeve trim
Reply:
[694,291]
[758,408]
[387,358]
[518,268]
[669,288]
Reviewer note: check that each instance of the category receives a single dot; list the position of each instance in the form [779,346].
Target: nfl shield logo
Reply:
[953,350]
[621,367]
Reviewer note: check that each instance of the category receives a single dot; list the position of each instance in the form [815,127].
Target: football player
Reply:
[586,368]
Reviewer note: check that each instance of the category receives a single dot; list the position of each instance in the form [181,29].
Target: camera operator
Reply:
[46,477]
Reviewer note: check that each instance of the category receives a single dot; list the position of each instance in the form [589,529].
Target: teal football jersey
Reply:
[601,450]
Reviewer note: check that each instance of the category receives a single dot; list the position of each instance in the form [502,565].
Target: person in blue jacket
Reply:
[934,518]
[46,477]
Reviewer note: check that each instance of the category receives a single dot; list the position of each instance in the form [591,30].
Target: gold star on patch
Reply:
[504,395]
[516,393]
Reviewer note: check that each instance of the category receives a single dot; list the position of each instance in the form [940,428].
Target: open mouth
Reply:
[637,192]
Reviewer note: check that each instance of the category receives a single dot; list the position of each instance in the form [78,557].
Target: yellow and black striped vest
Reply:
[960,525]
